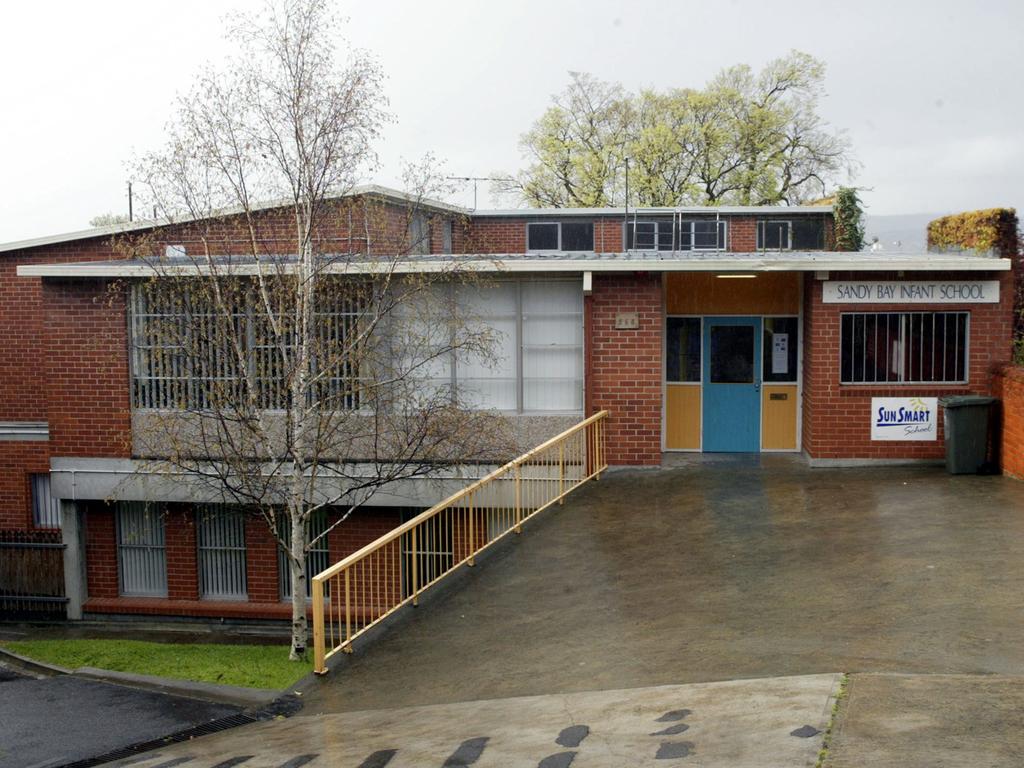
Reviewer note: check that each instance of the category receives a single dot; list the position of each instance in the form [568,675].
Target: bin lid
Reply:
[961,401]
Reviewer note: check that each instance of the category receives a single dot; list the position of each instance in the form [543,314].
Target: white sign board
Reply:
[780,353]
[904,418]
[910,292]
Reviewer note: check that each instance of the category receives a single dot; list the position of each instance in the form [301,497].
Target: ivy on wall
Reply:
[849,220]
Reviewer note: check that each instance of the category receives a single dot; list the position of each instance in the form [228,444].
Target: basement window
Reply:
[141,551]
[220,537]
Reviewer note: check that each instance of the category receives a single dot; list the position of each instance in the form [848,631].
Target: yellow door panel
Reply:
[682,416]
[779,408]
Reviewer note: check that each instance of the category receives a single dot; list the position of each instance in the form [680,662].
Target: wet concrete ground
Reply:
[744,724]
[923,721]
[746,568]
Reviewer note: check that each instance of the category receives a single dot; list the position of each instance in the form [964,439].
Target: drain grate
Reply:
[285,706]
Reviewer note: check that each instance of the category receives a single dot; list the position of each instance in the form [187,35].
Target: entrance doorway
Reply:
[732,384]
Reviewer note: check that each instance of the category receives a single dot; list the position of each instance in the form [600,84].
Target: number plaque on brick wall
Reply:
[627,321]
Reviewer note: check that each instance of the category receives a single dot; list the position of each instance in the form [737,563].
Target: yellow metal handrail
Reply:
[369,585]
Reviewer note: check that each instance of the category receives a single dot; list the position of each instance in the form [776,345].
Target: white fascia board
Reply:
[731,210]
[519,264]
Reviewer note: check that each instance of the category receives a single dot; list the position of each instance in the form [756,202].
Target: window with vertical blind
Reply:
[45,508]
[141,551]
[535,358]
[220,543]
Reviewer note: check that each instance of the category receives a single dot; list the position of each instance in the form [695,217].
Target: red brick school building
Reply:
[730,329]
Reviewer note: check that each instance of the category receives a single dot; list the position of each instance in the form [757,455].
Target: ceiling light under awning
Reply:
[736,275]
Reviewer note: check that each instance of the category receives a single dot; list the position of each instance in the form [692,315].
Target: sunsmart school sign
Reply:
[904,418]
[910,292]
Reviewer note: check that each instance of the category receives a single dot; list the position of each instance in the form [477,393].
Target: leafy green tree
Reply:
[746,138]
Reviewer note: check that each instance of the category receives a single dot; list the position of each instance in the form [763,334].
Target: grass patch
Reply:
[826,742]
[251,666]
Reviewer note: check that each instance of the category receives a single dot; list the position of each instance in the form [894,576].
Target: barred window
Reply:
[141,552]
[220,538]
[186,355]
[904,348]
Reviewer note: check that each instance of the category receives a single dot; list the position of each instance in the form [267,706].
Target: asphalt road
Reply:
[48,722]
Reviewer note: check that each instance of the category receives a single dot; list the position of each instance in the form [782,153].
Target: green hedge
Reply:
[992,229]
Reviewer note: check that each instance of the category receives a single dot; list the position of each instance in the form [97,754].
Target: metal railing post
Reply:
[415,568]
[561,473]
[319,653]
[347,647]
[519,500]
[472,532]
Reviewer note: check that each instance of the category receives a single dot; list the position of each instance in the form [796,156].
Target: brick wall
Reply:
[18,461]
[837,418]
[625,365]
[742,234]
[85,354]
[100,551]
[1008,386]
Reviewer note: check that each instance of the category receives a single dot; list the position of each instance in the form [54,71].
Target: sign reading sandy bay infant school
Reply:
[904,418]
[910,292]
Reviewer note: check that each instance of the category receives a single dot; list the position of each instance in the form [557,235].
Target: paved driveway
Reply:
[60,720]
[745,568]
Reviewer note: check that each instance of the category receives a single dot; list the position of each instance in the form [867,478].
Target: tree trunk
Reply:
[297,563]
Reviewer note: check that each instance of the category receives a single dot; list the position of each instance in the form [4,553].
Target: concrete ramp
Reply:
[756,723]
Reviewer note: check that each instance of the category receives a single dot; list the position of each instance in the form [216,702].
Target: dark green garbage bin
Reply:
[967,419]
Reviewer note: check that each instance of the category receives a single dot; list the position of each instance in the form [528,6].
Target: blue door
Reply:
[732,384]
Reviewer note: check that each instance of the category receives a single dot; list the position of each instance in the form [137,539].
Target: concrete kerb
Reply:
[222,694]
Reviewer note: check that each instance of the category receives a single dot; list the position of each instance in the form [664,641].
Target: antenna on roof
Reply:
[129,201]
[474,179]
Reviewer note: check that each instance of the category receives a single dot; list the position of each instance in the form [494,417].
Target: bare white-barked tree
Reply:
[286,357]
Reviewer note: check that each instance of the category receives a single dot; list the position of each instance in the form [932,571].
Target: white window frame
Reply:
[678,225]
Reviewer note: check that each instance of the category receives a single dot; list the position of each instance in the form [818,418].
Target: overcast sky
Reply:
[928,91]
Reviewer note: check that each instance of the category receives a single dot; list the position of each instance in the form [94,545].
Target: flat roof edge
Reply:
[497,264]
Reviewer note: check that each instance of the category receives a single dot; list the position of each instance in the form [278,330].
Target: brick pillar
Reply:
[182,565]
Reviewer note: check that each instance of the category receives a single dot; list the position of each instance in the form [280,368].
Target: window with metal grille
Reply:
[904,347]
[434,553]
[184,352]
[45,508]
[318,557]
[672,235]
[141,554]
[220,540]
